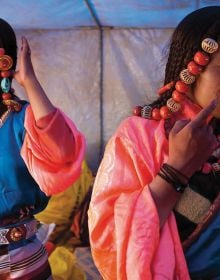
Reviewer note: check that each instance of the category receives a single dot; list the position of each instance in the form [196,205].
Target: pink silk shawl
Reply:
[126,239]
[53,154]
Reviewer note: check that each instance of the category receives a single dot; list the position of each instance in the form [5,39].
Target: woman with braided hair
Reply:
[41,154]
[154,208]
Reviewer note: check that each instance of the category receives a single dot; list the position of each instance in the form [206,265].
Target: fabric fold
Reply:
[125,235]
[53,154]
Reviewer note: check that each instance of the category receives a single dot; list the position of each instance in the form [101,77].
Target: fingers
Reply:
[25,48]
[179,125]
[25,65]
[203,114]
[209,130]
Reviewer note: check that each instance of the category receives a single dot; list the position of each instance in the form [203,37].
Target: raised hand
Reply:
[25,71]
[192,142]
[25,76]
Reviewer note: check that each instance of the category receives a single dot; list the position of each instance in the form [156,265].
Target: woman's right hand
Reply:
[192,142]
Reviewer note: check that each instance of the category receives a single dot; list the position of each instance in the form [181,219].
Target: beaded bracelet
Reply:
[177,179]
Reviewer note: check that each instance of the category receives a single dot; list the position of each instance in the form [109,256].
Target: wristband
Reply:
[178,180]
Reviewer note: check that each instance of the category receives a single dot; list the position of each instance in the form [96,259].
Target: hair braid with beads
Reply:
[186,40]
[8,42]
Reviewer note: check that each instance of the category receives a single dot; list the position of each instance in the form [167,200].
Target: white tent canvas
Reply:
[97,59]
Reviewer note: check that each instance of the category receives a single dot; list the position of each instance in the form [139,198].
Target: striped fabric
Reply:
[29,262]
[199,202]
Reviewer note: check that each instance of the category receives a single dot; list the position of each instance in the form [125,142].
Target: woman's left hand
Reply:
[25,72]
[25,76]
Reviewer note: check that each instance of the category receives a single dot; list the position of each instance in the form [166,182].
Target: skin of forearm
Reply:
[165,197]
[40,103]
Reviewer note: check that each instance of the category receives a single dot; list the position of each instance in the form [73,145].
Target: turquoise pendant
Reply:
[5,85]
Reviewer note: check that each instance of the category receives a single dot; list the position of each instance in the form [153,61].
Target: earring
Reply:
[6,63]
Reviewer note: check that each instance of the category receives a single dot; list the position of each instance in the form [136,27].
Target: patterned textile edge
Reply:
[205,222]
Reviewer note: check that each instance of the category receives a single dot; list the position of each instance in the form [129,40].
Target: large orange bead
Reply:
[6,96]
[137,111]
[156,114]
[201,58]
[177,96]
[165,88]
[194,68]
[182,87]
[5,74]
[165,112]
